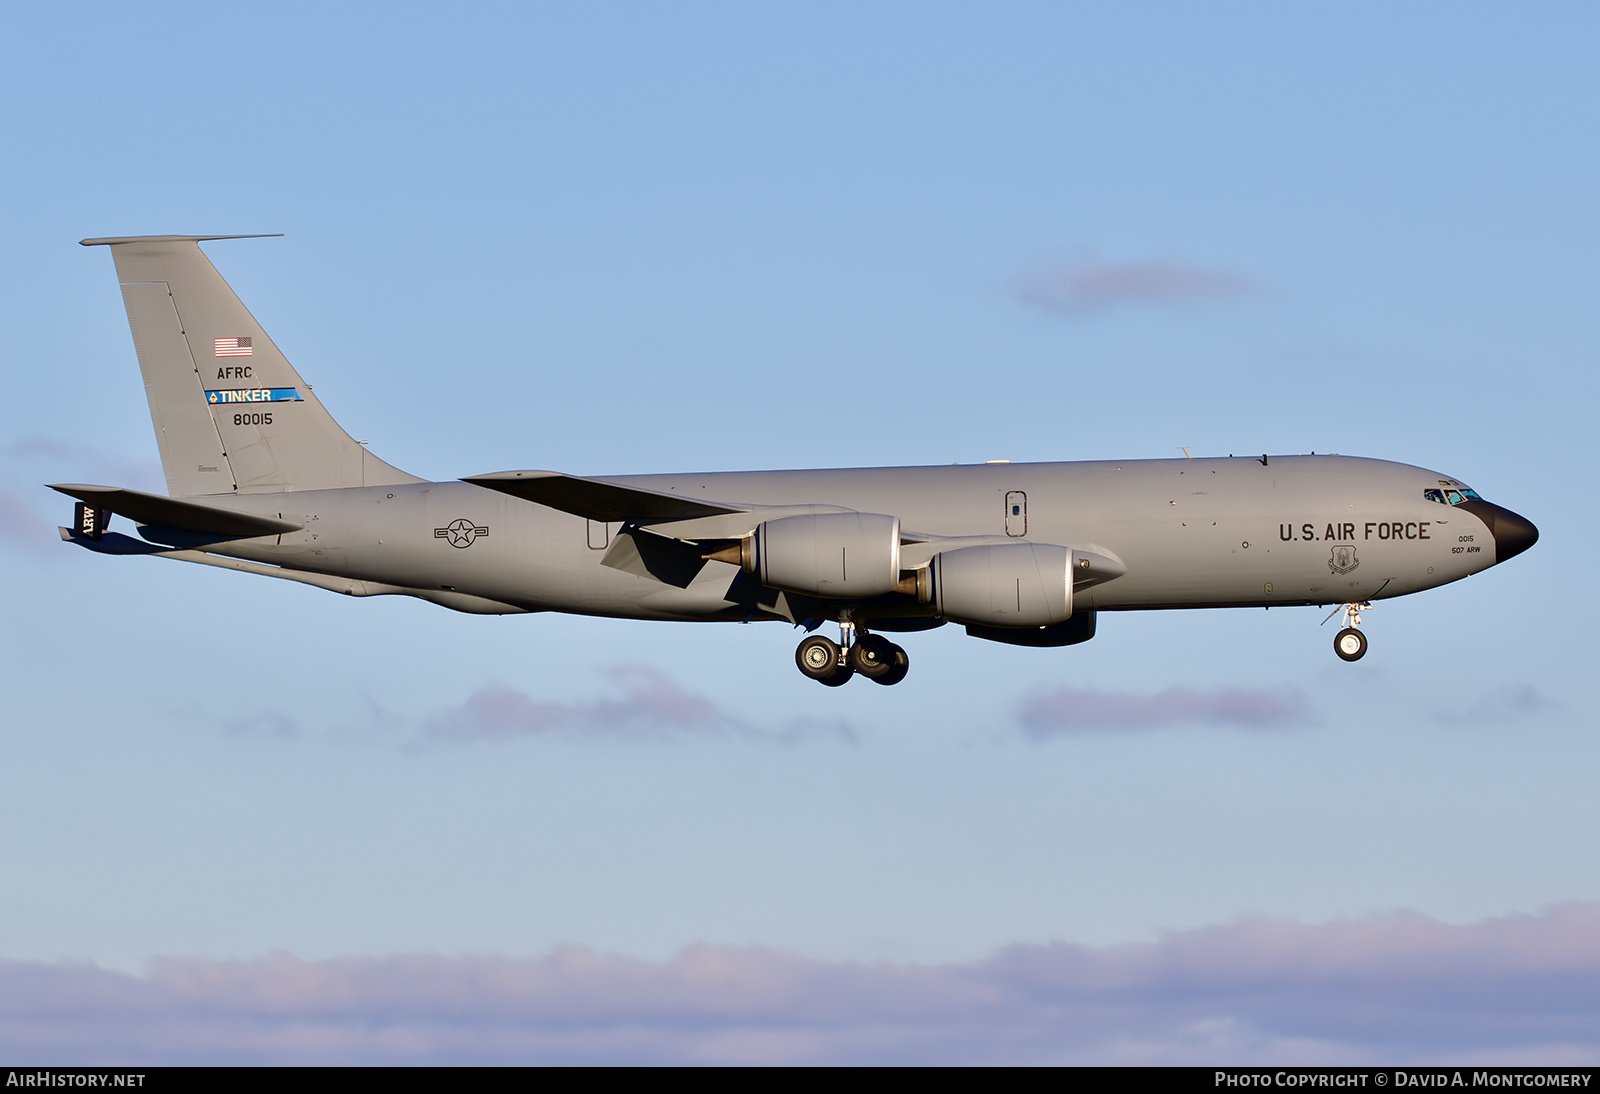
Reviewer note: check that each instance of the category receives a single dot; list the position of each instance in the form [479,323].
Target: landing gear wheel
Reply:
[819,659]
[838,679]
[873,656]
[1350,644]
[899,665]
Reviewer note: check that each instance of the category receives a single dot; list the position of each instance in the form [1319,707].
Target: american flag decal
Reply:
[233,347]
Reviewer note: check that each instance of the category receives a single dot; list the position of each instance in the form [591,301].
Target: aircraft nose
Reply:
[1513,534]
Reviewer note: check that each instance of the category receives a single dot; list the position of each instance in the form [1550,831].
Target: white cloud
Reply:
[1501,706]
[1078,710]
[1399,989]
[645,704]
[1092,285]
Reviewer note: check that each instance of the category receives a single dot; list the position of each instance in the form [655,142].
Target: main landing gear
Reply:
[870,655]
[1350,644]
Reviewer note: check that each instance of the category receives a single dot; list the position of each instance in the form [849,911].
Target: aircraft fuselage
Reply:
[1193,533]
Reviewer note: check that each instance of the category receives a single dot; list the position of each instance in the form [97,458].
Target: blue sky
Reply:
[619,238]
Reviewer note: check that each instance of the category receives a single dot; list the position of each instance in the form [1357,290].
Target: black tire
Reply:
[1350,644]
[899,665]
[838,679]
[873,656]
[818,658]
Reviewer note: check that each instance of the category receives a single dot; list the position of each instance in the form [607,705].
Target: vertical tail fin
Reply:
[231,414]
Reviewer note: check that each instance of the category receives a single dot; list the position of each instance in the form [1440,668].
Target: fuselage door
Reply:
[599,535]
[1016,513]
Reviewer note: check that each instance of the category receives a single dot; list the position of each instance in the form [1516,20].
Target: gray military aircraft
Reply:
[261,479]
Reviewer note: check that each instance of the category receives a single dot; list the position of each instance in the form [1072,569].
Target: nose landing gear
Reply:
[834,663]
[1350,644]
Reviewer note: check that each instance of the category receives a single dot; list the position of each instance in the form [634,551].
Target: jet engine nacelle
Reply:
[1010,585]
[839,555]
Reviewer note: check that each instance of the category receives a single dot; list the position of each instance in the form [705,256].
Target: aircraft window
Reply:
[1452,497]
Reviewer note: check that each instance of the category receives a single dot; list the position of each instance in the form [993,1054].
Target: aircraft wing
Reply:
[188,516]
[670,535]
[598,499]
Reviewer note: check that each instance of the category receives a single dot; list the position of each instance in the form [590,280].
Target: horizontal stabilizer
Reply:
[113,544]
[186,516]
[598,499]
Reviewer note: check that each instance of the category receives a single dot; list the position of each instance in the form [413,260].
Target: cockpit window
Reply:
[1451,497]
[1471,493]
[1434,495]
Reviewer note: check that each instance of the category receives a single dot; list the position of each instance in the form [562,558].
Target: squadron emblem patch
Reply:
[1342,559]
[461,532]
